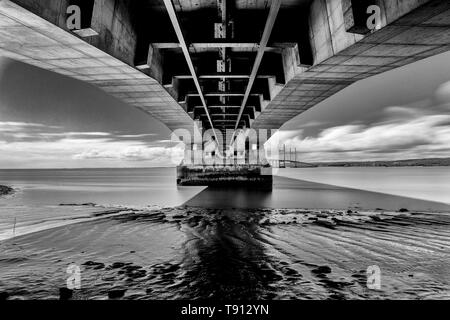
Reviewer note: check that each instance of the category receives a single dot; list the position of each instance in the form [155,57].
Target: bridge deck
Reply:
[423,33]
[286,85]
[31,39]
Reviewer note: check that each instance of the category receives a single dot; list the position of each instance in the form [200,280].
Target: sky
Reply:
[51,121]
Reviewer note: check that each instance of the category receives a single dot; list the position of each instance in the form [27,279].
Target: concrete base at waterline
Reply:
[255,177]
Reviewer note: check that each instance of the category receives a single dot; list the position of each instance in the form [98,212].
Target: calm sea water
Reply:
[40,194]
[427,183]
[221,243]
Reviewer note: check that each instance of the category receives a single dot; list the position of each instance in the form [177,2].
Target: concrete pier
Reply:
[249,176]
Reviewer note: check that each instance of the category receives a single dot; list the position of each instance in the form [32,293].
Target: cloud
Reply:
[79,134]
[130,136]
[87,152]
[443,94]
[396,112]
[418,130]
[11,126]
[312,124]
[36,145]
[36,131]
[134,153]
[404,133]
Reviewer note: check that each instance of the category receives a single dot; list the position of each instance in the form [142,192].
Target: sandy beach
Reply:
[196,253]
[219,243]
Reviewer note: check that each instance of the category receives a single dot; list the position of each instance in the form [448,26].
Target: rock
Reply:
[118,265]
[322,270]
[4,190]
[116,293]
[271,276]
[403,210]
[4,296]
[290,272]
[136,274]
[132,268]
[94,265]
[325,223]
[65,294]
[172,268]
[349,211]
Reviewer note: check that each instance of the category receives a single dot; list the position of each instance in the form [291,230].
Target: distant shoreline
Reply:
[4,190]
[429,162]
[434,162]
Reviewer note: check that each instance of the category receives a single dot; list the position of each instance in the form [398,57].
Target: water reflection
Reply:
[295,193]
[220,245]
[231,198]
[223,257]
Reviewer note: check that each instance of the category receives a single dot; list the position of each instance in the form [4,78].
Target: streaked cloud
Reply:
[135,153]
[442,95]
[373,126]
[420,129]
[405,133]
[129,136]
[11,126]
[74,134]
[32,144]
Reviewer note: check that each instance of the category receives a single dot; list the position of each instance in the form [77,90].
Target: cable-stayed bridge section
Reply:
[227,64]
[223,64]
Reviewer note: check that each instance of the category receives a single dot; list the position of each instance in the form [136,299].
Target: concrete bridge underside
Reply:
[223,64]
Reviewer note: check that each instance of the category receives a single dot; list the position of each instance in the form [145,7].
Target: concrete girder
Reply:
[412,37]
[341,54]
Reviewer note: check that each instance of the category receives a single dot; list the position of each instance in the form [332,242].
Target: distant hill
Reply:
[396,163]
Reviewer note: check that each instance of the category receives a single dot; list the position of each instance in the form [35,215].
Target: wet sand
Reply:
[198,253]
[236,244]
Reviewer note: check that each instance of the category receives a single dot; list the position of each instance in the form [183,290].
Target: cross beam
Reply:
[274,8]
[176,25]
[207,45]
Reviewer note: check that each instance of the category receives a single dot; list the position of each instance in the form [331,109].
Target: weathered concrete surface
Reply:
[342,58]
[36,34]
[255,177]
[316,50]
